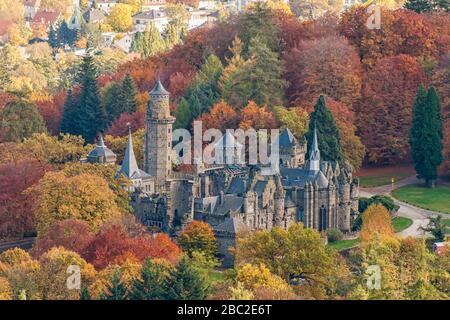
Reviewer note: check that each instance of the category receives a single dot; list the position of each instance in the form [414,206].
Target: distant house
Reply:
[31,7]
[207,4]
[108,38]
[94,16]
[45,18]
[349,3]
[198,18]
[124,43]
[143,19]
[106,5]
[148,5]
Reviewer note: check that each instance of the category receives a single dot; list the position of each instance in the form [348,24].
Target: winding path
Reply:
[417,215]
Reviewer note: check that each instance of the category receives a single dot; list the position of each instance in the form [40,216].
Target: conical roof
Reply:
[129,167]
[159,89]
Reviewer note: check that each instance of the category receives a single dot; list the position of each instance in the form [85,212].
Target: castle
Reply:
[234,198]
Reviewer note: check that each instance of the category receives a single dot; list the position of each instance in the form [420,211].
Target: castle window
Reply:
[322,218]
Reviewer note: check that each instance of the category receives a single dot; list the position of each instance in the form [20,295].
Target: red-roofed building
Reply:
[46,18]
[31,8]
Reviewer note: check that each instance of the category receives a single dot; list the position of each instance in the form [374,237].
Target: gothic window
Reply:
[301,215]
[322,218]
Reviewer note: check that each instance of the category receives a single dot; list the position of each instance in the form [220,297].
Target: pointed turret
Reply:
[101,154]
[129,167]
[314,154]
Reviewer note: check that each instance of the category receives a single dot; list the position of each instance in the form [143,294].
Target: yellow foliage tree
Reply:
[85,197]
[255,276]
[376,222]
[296,119]
[5,289]
[120,17]
[57,266]
[129,270]
[21,272]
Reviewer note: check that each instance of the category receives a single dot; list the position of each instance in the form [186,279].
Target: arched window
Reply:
[322,218]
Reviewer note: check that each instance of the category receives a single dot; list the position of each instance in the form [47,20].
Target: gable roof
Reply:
[46,17]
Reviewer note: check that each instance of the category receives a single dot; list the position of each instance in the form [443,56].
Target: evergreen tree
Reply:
[111,102]
[68,125]
[183,115]
[116,290]
[91,116]
[418,6]
[128,94]
[53,37]
[85,295]
[426,133]
[152,283]
[328,134]
[66,35]
[187,283]
[204,92]
[258,23]
[137,45]
[259,79]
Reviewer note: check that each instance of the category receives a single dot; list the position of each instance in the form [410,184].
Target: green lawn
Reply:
[376,181]
[435,199]
[216,276]
[343,244]
[447,223]
[401,223]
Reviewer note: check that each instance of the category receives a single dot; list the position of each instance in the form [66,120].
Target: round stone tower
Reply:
[158,137]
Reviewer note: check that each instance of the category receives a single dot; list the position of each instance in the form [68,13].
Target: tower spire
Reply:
[129,165]
[314,154]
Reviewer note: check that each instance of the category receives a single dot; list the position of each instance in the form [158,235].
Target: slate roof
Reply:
[159,89]
[237,186]
[129,167]
[102,151]
[230,203]
[287,139]
[150,15]
[232,225]
[259,187]
[299,177]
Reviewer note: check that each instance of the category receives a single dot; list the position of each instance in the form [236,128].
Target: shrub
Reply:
[334,235]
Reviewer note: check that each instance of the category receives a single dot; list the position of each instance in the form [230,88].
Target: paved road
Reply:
[417,215]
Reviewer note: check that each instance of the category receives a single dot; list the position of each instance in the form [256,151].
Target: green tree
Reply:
[68,125]
[436,227]
[128,94]
[328,134]
[66,35]
[259,79]
[183,115]
[426,133]
[421,6]
[85,295]
[187,283]
[258,22]
[203,92]
[91,116]
[116,290]
[111,102]
[20,119]
[152,284]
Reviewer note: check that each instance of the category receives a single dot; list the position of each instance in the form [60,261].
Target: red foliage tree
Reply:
[16,214]
[221,116]
[327,66]
[72,234]
[385,109]
[119,127]
[113,243]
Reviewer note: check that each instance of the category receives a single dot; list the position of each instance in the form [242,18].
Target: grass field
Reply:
[343,244]
[447,224]
[216,276]
[435,199]
[401,223]
[375,177]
